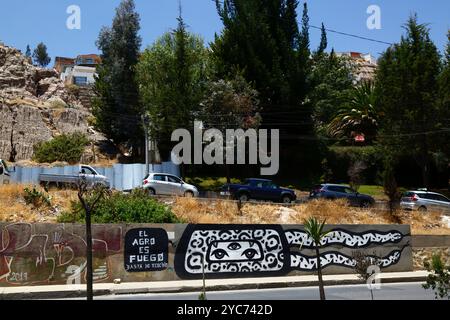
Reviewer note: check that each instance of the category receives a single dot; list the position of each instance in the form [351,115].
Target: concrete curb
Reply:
[76,293]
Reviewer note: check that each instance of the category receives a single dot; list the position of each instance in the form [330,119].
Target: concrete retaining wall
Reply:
[43,254]
[121,176]
[431,241]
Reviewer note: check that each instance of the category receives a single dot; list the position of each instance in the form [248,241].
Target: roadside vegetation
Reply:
[334,212]
[136,207]
[439,278]
[65,148]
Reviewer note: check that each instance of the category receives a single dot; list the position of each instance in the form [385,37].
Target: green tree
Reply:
[263,40]
[406,93]
[40,55]
[332,85]
[390,185]
[28,52]
[172,74]
[314,229]
[358,116]
[323,41]
[89,199]
[230,104]
[116,105]
[444,99]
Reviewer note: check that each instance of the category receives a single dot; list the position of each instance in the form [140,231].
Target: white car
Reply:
[167,184]
[423,201]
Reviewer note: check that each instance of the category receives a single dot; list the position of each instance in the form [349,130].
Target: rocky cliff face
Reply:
[34,106]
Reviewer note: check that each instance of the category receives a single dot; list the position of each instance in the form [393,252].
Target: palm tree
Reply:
[314,229]
[358,116]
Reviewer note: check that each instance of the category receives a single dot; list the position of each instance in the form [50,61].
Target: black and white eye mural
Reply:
[269,250]
[226,250]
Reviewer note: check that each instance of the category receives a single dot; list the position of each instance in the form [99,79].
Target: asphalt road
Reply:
[399,291]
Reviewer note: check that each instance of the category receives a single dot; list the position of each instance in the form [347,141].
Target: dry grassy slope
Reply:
[335,212]
[14,209]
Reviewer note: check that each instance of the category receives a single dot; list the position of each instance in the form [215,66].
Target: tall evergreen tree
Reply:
[173,73]
[40,55]
[444,98]
[28,52]
[323,41]
[261,38]
[407,91]
[116,107]
[304,35]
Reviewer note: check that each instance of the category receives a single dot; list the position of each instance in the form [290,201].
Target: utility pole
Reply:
[147,164]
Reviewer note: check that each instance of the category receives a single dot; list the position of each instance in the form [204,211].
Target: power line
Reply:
[353,35]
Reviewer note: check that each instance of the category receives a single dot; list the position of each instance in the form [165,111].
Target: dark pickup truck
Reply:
[258,189]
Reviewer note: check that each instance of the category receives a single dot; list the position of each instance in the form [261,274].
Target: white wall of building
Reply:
[79,72]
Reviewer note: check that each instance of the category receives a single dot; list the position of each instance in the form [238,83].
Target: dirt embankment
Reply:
[13,208]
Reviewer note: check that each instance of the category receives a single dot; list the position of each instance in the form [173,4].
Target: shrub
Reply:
[136,207]
[439,278]
[341,160]
[36,198]
[67,148]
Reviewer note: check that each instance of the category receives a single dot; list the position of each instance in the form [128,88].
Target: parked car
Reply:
[258,189]
[89,174]
[5,177]
[167,184]
[424,201]
[336,191]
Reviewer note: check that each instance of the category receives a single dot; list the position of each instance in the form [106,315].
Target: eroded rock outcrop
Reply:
[35,106]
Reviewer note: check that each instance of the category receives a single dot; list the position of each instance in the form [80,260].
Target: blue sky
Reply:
[25,22]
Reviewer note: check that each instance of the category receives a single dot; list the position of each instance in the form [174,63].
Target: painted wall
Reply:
[121,176]
[42,254]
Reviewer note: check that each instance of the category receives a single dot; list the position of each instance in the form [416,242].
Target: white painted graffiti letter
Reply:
[75,274]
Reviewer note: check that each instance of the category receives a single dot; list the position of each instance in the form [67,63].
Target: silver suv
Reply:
[167,184]
[424,201]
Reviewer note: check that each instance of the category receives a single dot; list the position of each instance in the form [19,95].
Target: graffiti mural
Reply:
[268,250]
[38,254]
[261,250]
[46,254]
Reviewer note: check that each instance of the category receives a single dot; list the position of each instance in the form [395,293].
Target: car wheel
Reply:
[151,192]
[365,204]
[423,209]
[286,199]
[189,194]
[243,197]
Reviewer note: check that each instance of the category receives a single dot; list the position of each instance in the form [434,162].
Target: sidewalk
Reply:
[73,291]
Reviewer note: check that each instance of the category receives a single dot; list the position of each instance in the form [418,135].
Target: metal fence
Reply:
[121,176]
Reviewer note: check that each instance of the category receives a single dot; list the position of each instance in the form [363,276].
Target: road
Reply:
[399,291]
